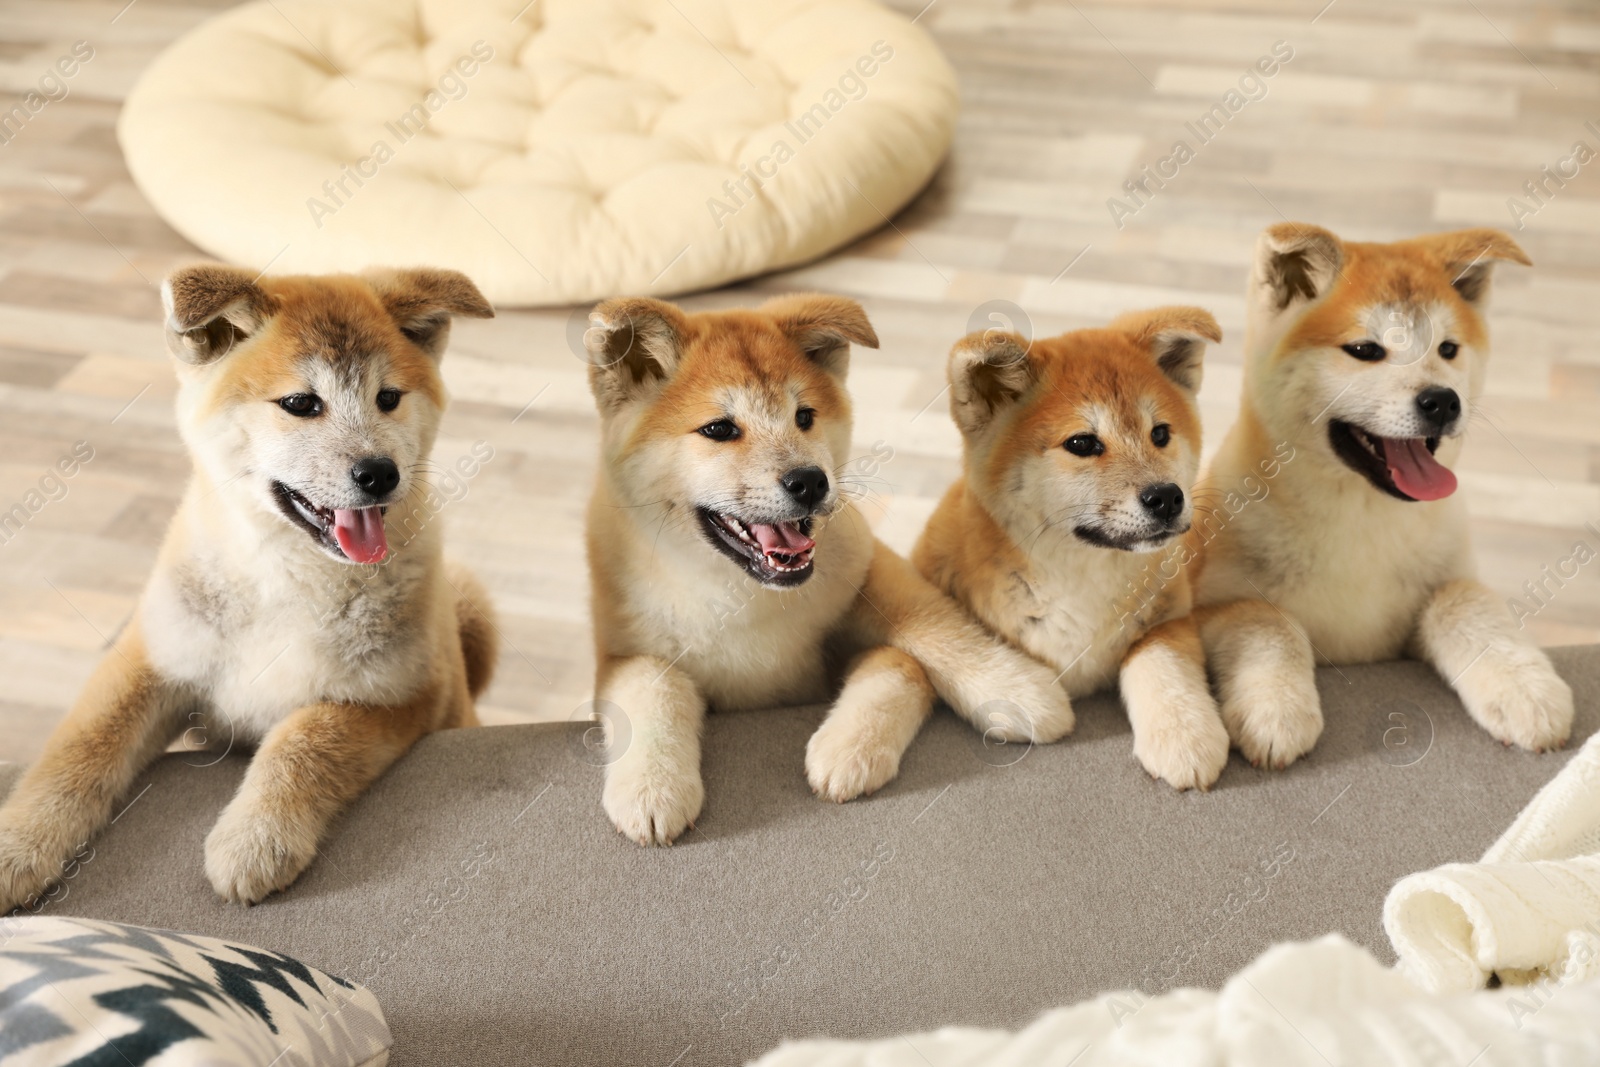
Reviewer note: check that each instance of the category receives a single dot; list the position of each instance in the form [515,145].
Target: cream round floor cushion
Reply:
[557,151]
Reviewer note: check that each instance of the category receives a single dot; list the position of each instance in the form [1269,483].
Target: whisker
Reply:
[627,507]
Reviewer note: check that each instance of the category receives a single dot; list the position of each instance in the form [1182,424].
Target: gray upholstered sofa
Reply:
[481,893]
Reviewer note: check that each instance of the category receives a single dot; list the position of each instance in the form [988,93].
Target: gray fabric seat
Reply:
[480,892]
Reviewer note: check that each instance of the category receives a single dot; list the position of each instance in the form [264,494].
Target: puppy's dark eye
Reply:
[804,418]
[1448,350]
[721,430]
[388,399]
[1161,435]
[1366,351]
[303,405]
[1084,444]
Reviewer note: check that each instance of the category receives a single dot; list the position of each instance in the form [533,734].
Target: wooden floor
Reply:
[1393,117]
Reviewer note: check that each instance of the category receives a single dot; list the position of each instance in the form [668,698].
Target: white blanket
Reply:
[1314,1004]
[1529,912]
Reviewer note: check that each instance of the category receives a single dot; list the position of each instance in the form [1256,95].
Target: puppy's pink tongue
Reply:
[360,534]
[1414,470]
[785,537]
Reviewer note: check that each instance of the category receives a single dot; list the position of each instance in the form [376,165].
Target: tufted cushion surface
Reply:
[558,151]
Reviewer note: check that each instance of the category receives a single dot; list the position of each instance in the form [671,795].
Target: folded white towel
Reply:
[1529,912]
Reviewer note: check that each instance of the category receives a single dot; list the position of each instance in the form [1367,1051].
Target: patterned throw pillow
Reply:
[97,994]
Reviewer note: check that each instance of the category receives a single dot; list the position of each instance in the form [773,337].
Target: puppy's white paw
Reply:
[1188,750]
[1035,709]
[844,762]
[1275,718]
[1519,699]
[1273,738]
[250,855]
[26,871]
[652,802]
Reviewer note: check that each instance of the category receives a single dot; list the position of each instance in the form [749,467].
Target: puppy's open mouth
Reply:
[357,534]
[1403,467]
[774,553]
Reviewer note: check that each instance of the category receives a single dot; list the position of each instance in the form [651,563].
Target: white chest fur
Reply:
[258,634]
[744,645]
[1352,566]
[1079,608]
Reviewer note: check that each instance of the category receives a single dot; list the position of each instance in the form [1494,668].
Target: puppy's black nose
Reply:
[376,475]
[1164,501]
[808,485]
[1440,406]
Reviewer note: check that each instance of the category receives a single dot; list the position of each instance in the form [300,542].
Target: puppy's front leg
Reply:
[123,720]
[1505,681]
[1177,730]
[1000,690]
[857,750]
[1266,679]
[653,788]
[308,768]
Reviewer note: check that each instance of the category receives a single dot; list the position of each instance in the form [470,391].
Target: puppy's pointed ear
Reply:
[421,300]
[823,326]
[1295,261]
[210,308]
[1470,255]
[634,343]
[988,371]
[1175,338]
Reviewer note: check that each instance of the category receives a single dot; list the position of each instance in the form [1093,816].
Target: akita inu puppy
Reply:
[721,436]
[1080,451]
[1367,361]
[309,406]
